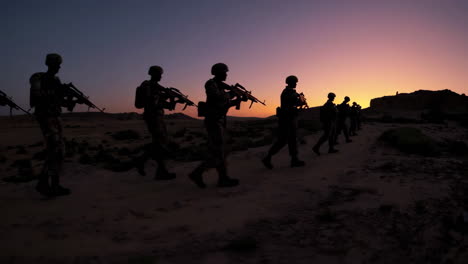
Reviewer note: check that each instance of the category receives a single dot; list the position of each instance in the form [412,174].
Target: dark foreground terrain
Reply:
[397,194]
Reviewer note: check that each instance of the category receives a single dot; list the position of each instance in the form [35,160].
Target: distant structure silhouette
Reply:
[343,114]
[218,101]
[47,96]
[152,97]
[328,116]
[287,124]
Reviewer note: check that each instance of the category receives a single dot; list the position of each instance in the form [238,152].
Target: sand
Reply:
[368,203]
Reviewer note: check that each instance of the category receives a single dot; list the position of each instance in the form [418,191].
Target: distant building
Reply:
[444,100]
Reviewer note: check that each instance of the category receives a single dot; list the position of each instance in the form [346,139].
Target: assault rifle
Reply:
[72,92]
[5,100]
[302,102]
[241,92]
[182,98]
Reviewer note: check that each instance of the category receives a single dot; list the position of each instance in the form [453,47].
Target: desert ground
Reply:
[369,203]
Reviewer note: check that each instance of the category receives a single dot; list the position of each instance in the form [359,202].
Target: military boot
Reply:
[267,162]
[332,150]
[57,189]
[295,162]
[43,188]
[140,166]
[163,174]
[316,150]
[225,181]
[196,177]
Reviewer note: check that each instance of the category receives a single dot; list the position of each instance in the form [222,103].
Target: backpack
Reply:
[140,95]
[35,90]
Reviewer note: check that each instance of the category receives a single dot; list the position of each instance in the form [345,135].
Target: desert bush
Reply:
[124,151]
[85,159]
[38,144]
[198,134]
[189,138]
[243,243]
[25,172]
[180,133]
[455,147]
[105,157]
[21,150]
[128,134]
[41,155]
[410,140]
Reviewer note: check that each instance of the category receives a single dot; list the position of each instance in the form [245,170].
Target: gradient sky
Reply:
[362,49]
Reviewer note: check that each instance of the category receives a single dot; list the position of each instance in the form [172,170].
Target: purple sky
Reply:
[363,49]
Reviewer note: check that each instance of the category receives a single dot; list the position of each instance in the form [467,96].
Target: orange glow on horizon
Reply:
[350,57]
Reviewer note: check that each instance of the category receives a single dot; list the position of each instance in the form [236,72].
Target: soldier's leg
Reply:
[58,149]
[280,142]
[346,131]
[43,186]
[292,145]
[147,150]
[325,136]
[217,143]
[338,129]
[215,153]
[160,139]
[331,139]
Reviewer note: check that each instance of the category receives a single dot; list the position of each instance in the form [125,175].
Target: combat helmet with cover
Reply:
[219,68]
[52,59]
[291,79]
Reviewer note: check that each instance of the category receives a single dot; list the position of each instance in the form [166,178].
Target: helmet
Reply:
[331,95]
[291,79]
[155,70]
[219,68]
[347,98]
[53,59]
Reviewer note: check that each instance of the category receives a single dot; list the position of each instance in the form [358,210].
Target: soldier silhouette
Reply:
[353,116]
[151,96]
[218,102]
[47,96]
[328,115]
[287,124]
[343,114]
[358,117]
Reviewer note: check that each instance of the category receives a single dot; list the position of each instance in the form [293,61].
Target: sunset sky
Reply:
[360,49]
